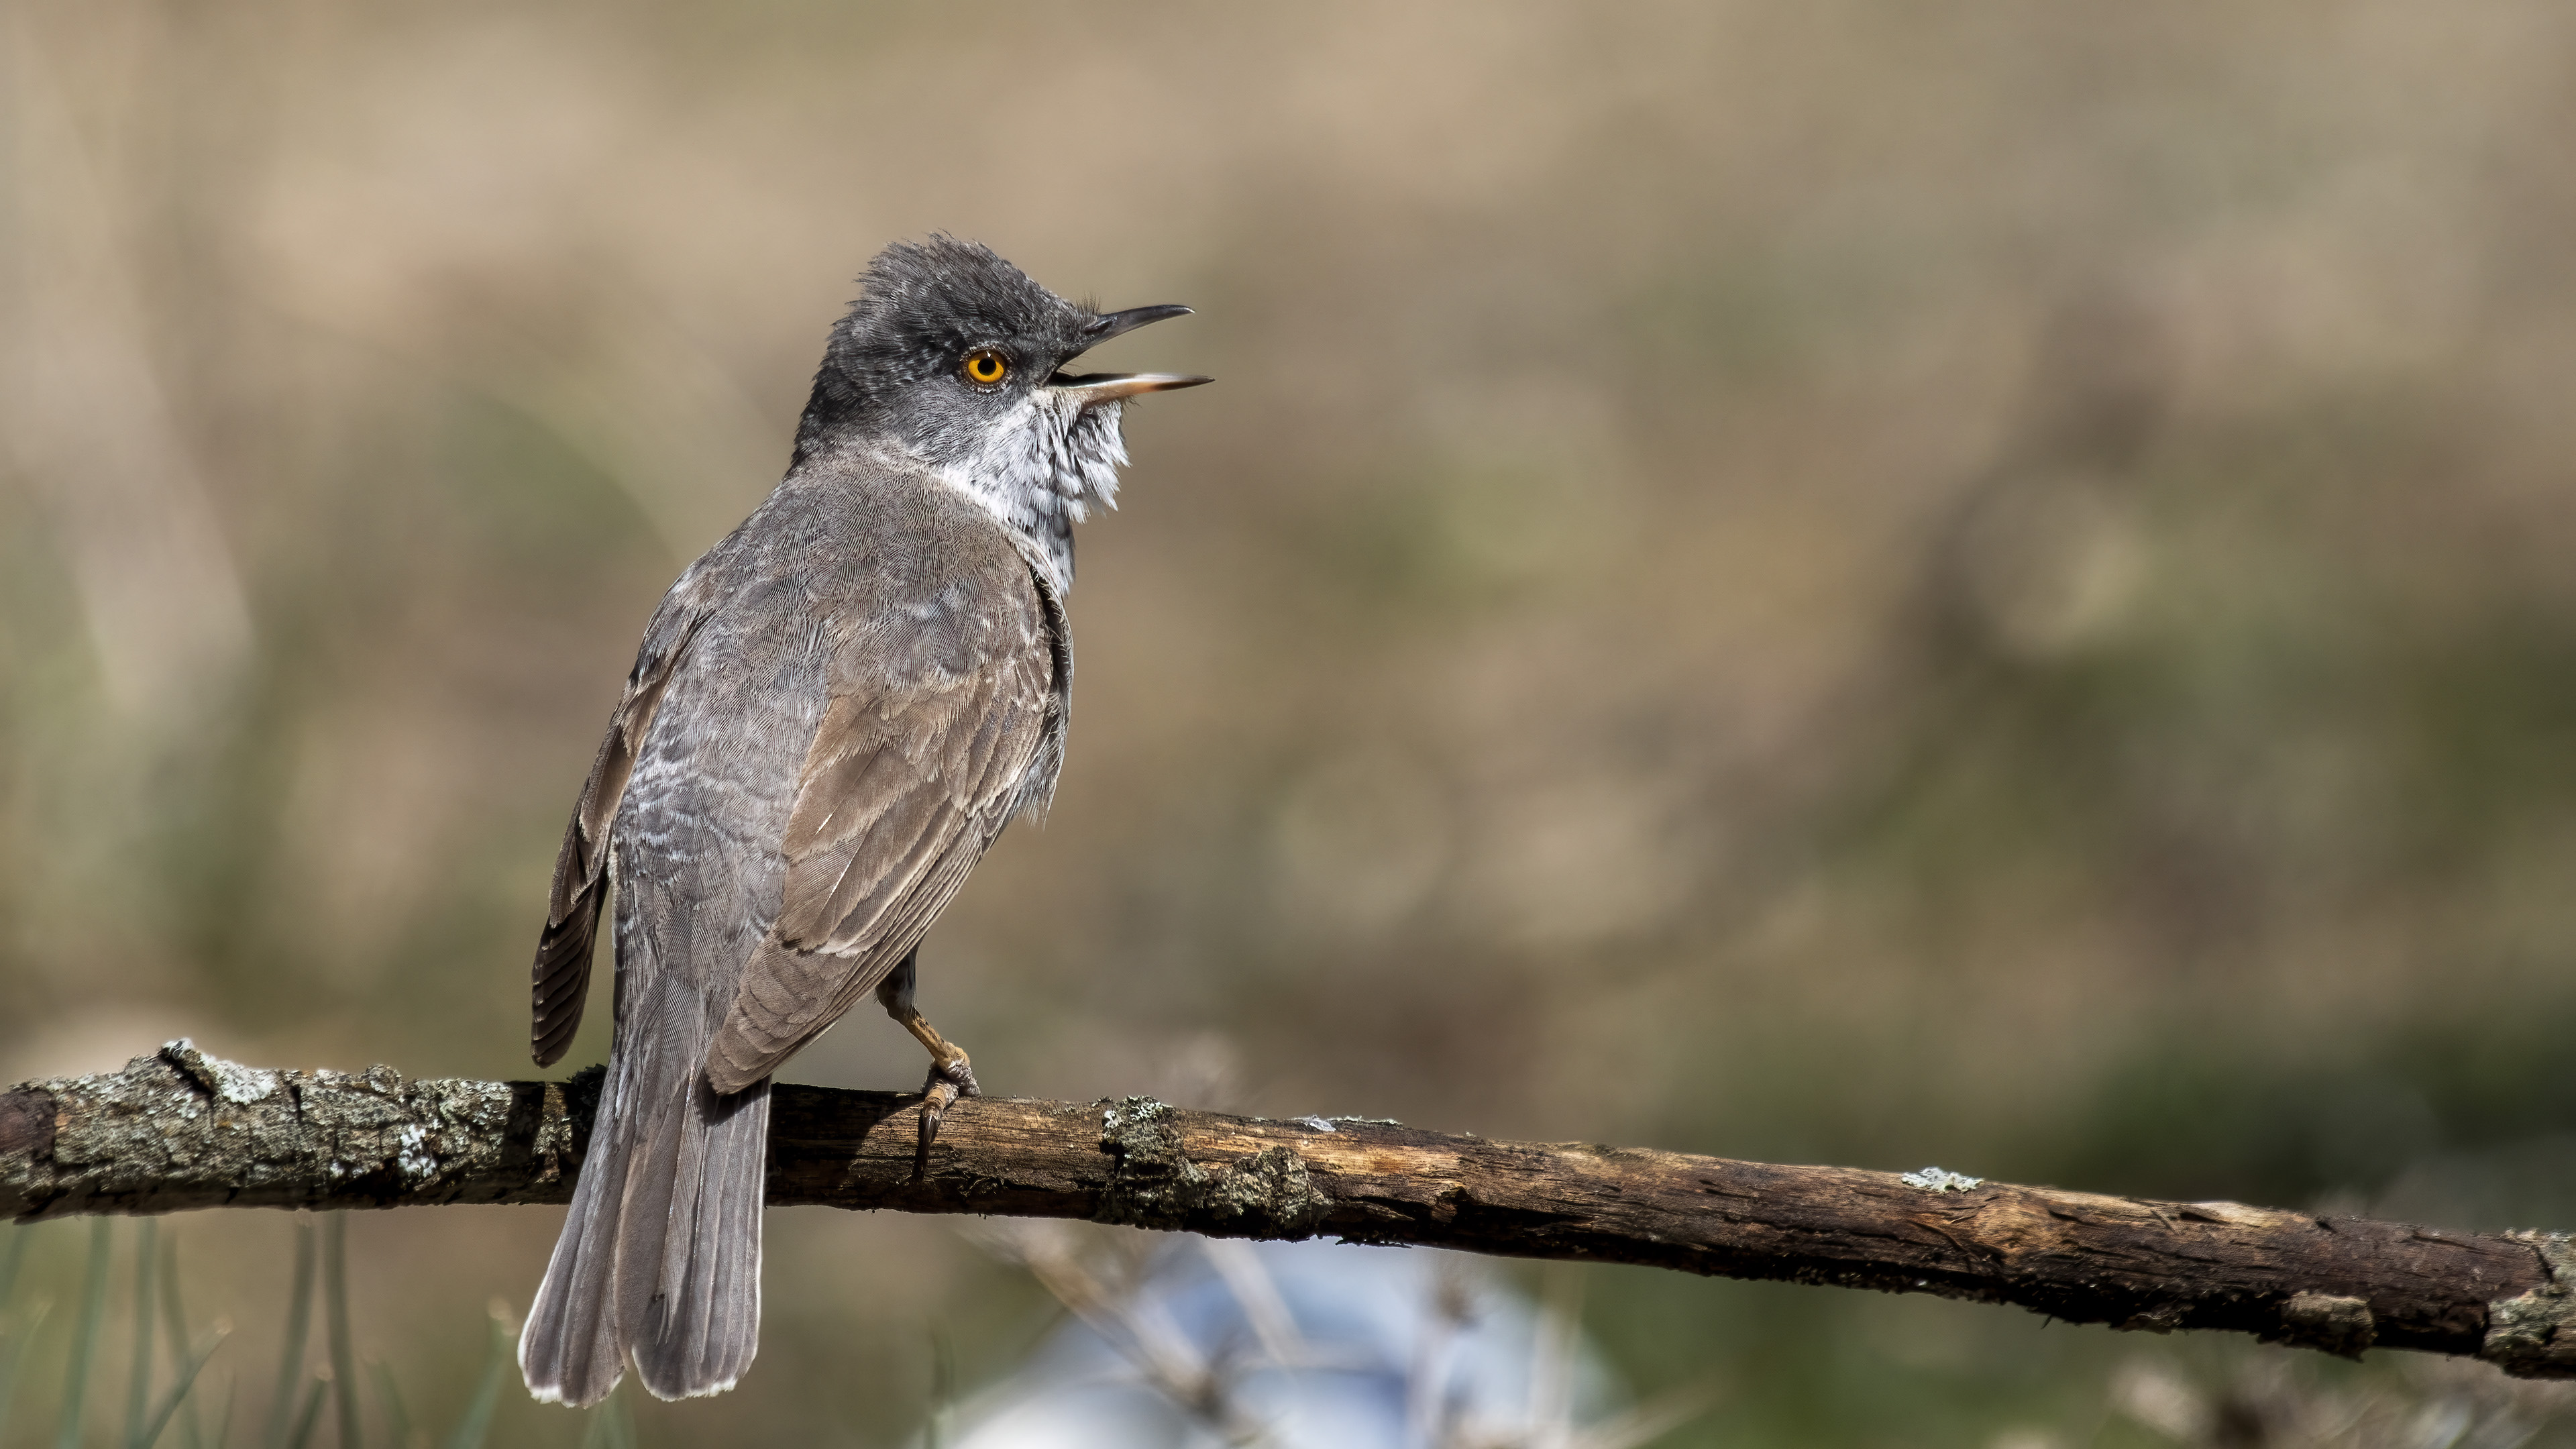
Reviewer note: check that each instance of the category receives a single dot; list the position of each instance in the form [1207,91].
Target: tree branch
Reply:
[180,1130]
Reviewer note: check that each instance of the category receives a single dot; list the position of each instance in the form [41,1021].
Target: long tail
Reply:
[661,1255]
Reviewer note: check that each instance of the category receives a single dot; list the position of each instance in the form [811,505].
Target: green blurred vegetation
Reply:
[55,1376]
[1836,583]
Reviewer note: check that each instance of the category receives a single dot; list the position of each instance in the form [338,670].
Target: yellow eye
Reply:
[985,367]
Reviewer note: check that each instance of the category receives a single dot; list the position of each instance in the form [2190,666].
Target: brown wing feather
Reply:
[902,791]
[562,971]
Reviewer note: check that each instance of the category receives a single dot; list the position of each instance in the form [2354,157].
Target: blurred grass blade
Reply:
[179,1391]
[13,1345]
[397,1417]
[312,1413]
[1651,1421]
[9,1264]
[175,1323]
[17,1360]
[19,1339]
[611,1425]
[344,1354]
[138,1389]
[477,1423]
[943,1388]
[1256,1295]
[224,1425]
[1555,1343]
[299,1321]
[67,1433]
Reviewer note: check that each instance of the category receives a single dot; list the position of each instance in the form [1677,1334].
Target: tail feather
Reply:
[569,1352]
[661,1253]
[697,1331]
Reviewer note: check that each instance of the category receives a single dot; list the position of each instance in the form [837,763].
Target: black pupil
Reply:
[985,366]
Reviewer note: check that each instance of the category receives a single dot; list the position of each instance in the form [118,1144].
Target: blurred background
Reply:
[1833,583]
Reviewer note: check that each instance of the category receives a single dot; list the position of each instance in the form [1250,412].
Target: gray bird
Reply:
[833,714]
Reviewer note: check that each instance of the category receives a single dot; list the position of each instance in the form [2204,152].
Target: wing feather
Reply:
[904,787]
[561,975]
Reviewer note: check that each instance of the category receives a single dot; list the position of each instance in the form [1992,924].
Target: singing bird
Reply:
[833,714]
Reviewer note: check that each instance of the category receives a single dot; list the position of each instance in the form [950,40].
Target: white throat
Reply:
[1041,469]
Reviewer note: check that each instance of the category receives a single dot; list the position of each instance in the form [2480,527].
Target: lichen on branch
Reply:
[180,1129]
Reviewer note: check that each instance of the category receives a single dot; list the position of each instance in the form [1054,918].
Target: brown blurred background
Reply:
[1833,582]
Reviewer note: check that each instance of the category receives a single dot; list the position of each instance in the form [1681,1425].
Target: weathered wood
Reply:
[181,1130]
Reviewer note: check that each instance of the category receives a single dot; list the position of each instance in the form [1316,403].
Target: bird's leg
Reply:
[951,1075]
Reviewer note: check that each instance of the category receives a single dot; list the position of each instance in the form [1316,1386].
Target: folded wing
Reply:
[562,972]
[911,775]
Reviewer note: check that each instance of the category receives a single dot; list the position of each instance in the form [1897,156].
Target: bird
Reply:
[834,712]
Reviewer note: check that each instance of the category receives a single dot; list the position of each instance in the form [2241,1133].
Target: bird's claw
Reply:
[948,1081]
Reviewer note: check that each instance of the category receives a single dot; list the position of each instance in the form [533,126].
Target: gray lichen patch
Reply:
[2534,1336]
[2332,1323]
[230,1081]
[1941,1179]
[185,1129]
[1154,1184]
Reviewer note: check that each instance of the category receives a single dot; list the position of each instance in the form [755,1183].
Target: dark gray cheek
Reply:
[947,426]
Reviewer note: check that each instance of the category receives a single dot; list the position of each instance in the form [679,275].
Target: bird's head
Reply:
[953,356]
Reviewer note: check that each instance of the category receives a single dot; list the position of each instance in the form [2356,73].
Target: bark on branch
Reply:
[180,1130]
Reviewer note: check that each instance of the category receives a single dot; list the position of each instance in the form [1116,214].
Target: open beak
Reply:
[1090,389]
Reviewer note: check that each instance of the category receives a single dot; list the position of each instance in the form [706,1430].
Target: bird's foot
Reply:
[951,1076]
